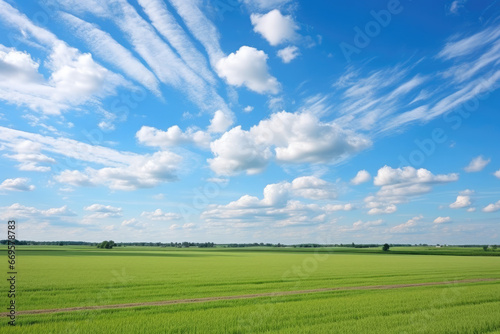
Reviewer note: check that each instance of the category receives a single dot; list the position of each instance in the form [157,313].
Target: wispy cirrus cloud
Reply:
[383,100]
[104,46]
[164,21]
[184,71]
[201,27]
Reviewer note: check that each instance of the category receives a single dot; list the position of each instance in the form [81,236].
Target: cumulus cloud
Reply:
[405,176]
[407,227]
[442,220]
[103,211]
[75,79]
[288,54]
[274,27]
[278,205]
[248,67]
[362,177]
[477,164]
[313,188]
[497,174]
[134,224]
[17,184]
[492,207]
[286,137]
[463,200]
[100,211]
[397,185]
[220,122]
[158,214]
[236,151]
[144,172]
[248,109]
[338,207]
[17,211]
[174,136]
[380,208]
[28,154]
[361,226]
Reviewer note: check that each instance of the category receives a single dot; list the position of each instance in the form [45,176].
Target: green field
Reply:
[60,277]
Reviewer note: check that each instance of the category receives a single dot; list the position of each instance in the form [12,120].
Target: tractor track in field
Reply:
[256,295]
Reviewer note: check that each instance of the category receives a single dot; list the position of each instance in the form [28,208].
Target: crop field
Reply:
[51,278]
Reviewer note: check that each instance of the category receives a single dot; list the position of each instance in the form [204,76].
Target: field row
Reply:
[467,308]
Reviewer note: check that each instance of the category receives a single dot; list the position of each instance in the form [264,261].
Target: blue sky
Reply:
[251,121]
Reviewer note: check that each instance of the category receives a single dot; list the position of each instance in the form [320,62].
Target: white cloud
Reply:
[248,109]
[278,206]
[30,143]
[465,46]
[462,201]
[313,188]
[17,211]
[189,226]
[200,27]
[361,226]
[236,151]
[17,184]
[158,214]
[456,5]
[174,136]
[218,180]
[248,67]
[74,79]
[407,227]
[220,122]
[134,224]
[274,27]
[167,26]
[105,47]
[100,211]
[492,207]
[442,220]
[388,176]
[362,177]
[295,138]
[288,54]
[168,67]
[143,172]
[174,227]
[384,100]
[28,154]
[122,171]
[338,207]
[101,208]
[497,174]
[391,208]
[400,184]
[477,164]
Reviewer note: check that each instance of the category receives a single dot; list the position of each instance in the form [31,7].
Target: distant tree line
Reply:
[185,244]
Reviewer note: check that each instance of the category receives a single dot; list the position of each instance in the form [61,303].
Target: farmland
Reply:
[62,277]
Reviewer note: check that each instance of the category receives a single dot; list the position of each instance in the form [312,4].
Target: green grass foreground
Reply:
[58,277]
